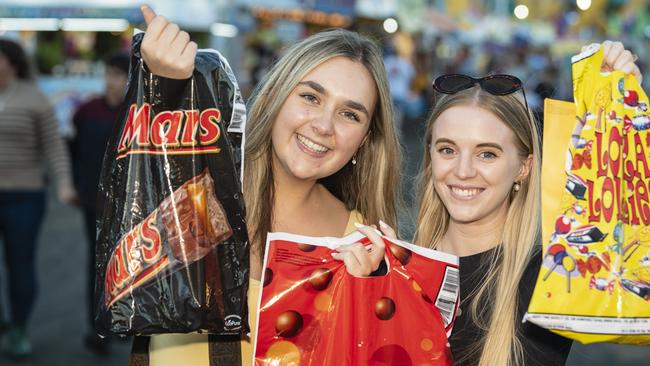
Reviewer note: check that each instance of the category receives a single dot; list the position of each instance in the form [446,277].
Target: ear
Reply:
[524,171]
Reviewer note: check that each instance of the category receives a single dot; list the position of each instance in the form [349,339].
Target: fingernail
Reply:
[382,224]
[358,225]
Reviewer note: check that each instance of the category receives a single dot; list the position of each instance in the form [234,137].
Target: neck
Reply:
[291,195]
[467,238]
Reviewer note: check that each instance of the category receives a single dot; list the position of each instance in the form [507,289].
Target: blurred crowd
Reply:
[31,143]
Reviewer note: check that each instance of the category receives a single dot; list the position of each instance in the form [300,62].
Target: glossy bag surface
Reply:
[172,252]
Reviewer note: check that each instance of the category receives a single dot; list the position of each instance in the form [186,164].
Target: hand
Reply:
[166,50]
[66,194]
[387,230]
[360,260]
[618,58]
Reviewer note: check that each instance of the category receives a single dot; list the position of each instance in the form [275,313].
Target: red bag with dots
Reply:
[313,312]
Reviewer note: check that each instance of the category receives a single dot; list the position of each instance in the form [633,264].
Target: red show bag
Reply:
[313,312]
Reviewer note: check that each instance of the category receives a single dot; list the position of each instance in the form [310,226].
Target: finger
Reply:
[364,260]
[189,52]
[168,36]
[378,245]
[148,14]
[624,58]
[352,266]
[614,52]
[387,230]
[637,73]
[181,41]
[156,27]
[349,247]
[631,68]
[607,45]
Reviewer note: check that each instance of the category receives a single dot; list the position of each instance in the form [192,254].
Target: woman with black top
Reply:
[480,200]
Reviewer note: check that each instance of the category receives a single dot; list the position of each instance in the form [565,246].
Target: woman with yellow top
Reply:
[321,154]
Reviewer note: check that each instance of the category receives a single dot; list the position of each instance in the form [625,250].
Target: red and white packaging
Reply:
[313,312]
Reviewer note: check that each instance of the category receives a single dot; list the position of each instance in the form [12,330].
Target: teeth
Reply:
[312,145]
[465,192]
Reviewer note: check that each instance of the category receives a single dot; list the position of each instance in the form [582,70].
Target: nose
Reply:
[465,166]
[323,123]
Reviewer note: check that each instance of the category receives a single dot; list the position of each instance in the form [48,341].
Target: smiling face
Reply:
[324,120]
[475,162]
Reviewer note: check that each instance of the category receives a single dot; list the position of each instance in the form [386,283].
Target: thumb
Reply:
[147,13]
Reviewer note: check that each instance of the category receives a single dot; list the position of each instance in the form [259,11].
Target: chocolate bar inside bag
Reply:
[173,249]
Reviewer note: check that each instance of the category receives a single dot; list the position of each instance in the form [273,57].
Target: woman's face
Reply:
[475,162]
[324,120]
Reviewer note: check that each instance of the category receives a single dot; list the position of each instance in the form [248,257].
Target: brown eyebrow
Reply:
[444,140]
[491,144]
[314,85]
[357,106]
[348,103]
[485,144]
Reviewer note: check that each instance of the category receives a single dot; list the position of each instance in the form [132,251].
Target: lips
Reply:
[311,146]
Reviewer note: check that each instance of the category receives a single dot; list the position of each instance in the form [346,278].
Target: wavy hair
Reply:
[500,345]
[371,186]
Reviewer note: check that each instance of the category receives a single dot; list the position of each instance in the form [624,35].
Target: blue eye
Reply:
[487,155]
[446,151]
[353,116]
[309,97]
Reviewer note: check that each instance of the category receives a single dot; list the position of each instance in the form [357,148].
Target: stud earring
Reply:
[517,187]
[354,160]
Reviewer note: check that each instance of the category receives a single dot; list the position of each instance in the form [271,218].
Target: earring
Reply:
[354,160]
[517,187]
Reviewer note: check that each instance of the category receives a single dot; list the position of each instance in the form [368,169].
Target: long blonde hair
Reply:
[500,345]
[371,186]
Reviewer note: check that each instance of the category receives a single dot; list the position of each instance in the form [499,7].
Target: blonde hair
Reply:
[500,345]
[371,186]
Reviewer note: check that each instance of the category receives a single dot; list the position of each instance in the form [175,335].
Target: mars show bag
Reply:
[172,253]
[313,312]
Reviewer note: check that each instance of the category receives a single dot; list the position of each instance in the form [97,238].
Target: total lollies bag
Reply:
[172,251]
[313,312]
[594,284]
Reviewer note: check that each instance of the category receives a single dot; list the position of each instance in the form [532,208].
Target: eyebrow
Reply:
[348,103]
[485,144]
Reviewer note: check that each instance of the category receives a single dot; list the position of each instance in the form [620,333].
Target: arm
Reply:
[54,150]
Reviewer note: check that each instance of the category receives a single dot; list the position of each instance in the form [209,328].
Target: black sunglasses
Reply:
[494,84]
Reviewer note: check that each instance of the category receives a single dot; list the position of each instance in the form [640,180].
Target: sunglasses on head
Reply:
[500,84]
[493,84]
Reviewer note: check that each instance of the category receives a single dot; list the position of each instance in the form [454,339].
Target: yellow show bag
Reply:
[594,283]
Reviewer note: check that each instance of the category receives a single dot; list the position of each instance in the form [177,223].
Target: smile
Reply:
[311,145]
[465,193]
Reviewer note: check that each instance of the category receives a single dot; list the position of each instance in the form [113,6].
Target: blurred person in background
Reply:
[400,72]
[29,143]
[94,122]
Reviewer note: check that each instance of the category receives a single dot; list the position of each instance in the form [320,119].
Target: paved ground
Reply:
[59,319]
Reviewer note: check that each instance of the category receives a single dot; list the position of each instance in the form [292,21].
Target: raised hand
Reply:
[166,49]
[618,58]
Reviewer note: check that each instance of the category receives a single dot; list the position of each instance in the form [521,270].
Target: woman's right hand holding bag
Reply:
[166,49]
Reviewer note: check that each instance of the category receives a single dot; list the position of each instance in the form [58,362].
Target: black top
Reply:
[94,123]
[541,347]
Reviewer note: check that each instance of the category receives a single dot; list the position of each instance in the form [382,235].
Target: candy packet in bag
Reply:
[313,312]
[172,254]
[594,285]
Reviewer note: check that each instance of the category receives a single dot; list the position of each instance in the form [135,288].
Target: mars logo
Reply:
[170,132]
[232,322]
